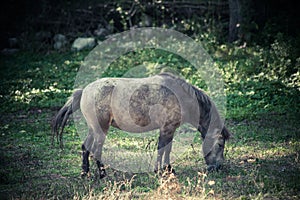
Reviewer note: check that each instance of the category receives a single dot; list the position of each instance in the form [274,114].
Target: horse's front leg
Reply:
[164,149]
[160,153]
[167,165]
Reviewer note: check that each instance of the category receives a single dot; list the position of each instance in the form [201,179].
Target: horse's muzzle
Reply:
[216,167]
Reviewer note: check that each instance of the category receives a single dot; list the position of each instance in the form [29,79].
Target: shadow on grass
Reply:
[262,161]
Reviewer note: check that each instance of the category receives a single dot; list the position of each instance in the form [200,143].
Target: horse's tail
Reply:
[60,120]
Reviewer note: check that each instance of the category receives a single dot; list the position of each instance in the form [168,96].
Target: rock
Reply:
[146,21]
[101,32]
[8,51]
[43,36]
[83,43]
[60,41]
[13,42]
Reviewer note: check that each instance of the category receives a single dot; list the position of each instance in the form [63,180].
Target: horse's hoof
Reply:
[102,173]
[169,169]
[85,174]
[166,169]
[212,168]
[158,172]
[101,169]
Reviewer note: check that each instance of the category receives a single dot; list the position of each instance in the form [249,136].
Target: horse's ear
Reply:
[226,134]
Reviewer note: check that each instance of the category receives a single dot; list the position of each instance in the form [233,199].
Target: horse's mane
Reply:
[190,89]
[202,98]
[205,104]
[203,101]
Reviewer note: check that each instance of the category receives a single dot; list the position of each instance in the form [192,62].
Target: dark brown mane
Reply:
[203,101]
[205,105]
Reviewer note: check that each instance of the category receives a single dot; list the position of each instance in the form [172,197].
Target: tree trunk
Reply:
[234,19]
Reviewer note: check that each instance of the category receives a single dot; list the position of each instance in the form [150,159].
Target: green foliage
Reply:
[262,86]
[148,62]
[32,80]
[258,80]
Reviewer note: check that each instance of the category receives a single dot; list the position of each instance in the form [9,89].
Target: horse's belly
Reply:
[138,122]
[132,128]
[144,107]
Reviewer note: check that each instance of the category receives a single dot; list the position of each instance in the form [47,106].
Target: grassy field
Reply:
[262,159]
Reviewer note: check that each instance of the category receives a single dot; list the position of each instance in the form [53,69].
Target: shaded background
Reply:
[258,21]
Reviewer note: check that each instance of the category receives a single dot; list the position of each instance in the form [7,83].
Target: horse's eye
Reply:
[221,146]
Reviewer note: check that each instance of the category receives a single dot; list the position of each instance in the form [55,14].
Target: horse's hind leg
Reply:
[85,161]
[85,155]
[93,144]
[101,169]
[96,149]
[98,154]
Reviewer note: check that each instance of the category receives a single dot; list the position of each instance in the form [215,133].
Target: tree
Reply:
[234,19]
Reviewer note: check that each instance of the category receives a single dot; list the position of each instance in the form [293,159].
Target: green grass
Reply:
[262,159]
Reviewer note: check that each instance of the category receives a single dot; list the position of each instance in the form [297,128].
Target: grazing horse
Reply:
[138,105]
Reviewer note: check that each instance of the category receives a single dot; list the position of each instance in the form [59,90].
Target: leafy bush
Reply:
[258,80]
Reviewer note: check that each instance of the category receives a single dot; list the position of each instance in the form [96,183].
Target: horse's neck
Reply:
[204,122]
[210,121]
[215,124]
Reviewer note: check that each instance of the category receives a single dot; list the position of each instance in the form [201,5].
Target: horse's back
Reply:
[140,104]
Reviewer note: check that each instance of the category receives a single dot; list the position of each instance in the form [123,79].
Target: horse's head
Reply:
[213,149]
[212,131]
